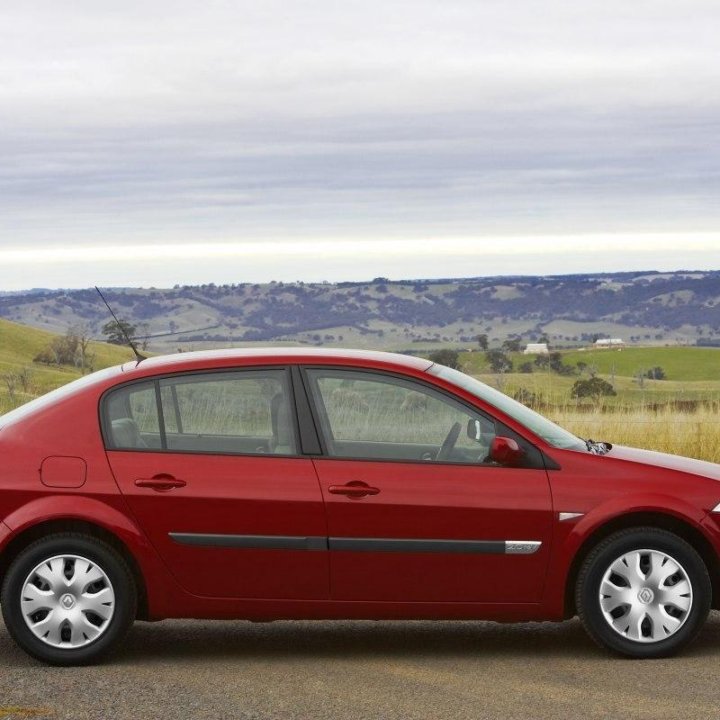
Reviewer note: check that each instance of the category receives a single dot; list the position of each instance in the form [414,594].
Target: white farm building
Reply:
[536,349]
[609,343]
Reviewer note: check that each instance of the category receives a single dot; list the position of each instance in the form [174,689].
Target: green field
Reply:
[679,363]
[692,374]
[19,344]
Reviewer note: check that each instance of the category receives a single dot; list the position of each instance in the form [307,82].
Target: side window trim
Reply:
[161,416]
[317,406]
[311,440]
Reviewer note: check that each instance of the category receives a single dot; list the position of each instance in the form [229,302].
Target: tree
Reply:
[482,341]
[526,367]
[594,388]
[113,331]
[68,349]
[656,373]
[449,358]
[555,362]
[498,361]
[511,345]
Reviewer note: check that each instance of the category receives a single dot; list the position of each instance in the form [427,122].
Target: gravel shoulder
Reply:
[364,670]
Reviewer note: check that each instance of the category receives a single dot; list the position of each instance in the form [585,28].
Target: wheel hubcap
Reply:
[646,596]
[67,601]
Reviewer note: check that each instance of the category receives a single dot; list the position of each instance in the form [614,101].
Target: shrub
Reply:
[498,361]
[594,388]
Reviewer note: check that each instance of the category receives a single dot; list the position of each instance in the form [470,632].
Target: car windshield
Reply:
[542,427]
[55,395]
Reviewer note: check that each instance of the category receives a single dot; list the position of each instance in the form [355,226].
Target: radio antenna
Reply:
[121,328]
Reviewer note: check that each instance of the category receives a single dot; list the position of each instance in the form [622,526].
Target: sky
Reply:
[150,144]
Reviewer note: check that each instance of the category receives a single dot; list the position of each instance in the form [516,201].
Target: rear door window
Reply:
[237,412]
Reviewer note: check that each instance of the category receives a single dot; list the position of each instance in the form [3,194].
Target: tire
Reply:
[643,593]
[68,599]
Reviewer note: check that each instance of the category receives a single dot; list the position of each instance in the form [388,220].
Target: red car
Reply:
[268,484]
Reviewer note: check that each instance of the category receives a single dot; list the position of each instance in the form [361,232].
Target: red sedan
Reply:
[270,484]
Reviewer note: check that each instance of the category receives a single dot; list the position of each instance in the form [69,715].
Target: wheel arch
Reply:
[656,519]
[30,534]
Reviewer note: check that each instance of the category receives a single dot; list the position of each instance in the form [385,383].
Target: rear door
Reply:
[416,511]
[210,467]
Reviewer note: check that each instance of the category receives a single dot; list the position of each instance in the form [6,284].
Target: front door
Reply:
[416,511]
[209,466]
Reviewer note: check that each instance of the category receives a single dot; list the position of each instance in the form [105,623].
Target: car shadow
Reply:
[395,639]
[192,640]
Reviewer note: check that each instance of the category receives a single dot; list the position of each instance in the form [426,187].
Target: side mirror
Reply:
[506,451]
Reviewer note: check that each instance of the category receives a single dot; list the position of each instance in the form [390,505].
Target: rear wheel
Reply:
[68,599]
[643,592]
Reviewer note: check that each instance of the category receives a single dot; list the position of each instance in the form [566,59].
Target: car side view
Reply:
[327,484]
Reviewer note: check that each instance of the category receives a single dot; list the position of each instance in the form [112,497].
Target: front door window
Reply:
[373,416]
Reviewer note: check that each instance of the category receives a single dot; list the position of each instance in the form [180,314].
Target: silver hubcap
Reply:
[67,601]
[646,596]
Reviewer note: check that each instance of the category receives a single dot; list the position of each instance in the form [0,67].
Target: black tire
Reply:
[100,554]
[614,547]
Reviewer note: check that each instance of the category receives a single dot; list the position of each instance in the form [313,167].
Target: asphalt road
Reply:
[348,670]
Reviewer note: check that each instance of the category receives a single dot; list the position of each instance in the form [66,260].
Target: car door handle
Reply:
[355,489]
[160,482]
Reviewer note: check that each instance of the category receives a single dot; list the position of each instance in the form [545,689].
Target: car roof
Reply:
[211,359]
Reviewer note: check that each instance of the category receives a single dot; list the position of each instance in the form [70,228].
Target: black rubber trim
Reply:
[258,542]
[550,464]
[489,547]
[310,443]
[161,416]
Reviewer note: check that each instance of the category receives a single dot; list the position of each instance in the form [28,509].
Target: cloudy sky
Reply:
[151,143]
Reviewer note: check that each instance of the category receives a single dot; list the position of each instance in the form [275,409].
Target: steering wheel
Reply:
[449,442]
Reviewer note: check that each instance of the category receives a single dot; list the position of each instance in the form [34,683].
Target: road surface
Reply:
[364,670]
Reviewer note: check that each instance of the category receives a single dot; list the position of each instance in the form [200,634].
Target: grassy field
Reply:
[693,374]
[19,344]
[694,434]
[683,364]
[679,363]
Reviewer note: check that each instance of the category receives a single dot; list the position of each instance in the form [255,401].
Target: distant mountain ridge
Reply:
[641,307]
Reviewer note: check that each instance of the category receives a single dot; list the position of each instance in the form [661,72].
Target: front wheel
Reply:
[68,599]
[643,592]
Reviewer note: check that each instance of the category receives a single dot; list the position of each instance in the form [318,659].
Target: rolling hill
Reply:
[642,308]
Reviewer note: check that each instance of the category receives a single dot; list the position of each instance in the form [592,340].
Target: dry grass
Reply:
[695,434]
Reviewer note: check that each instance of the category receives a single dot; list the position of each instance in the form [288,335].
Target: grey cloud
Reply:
[177,122]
